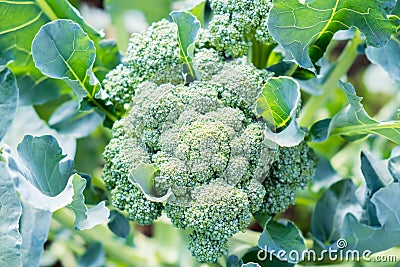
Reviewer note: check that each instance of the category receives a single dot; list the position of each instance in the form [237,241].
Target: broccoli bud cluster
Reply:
[237,24]
[209,147]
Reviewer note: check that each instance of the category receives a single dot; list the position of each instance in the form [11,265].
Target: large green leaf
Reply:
[330,211]
[277,105]
[46,172]
[283,236]
[86,218]
[21,20]
[377,227]
[154,10]
[46,183]
[39,175]
[375,239]
[353,121]
[8,99]
[305,29]
[188,30]
[62,50]
[10,212]
[388,56]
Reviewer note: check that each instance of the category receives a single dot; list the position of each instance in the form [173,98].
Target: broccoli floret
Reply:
[238,25]
[206,249]
[123,154]
[151,54]
[293,169]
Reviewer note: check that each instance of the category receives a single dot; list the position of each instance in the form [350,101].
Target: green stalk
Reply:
[102,234]
[259,53]
[341,67]
[364,128]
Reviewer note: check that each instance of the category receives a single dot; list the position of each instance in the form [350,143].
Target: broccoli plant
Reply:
[222,133]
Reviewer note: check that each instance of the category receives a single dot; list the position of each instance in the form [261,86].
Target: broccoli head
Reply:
[211,153]
[238,25]
[213,164]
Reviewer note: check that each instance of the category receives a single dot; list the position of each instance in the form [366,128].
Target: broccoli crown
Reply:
[149,52]
[237,24]
[293,169]
[210,150]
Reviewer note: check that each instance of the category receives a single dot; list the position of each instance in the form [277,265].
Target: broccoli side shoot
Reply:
[240,28]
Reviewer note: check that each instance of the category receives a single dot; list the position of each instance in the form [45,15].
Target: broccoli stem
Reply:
[102,234]
[340,68]
[259,53]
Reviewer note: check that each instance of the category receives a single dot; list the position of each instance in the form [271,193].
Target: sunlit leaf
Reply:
[16,34]
[188,30]
[305,29]
[354,122]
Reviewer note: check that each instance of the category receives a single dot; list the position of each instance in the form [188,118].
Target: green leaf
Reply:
[143,176]
[47,173]
[282,236]
[68,120]
[86,218]
[62,50]
[305,30]
[119,224]
[376,174]
[277,105]
[353,121]
[39,175]
[8,99]
[10,212]
[93,257]
[330,211]
[278,101]
[233,261]
[35,88]
[154,10]
[388,57]
[199,11]
[107,58]
[26,121]
[394,164]
[375,239]
[188,30]
[34,227]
